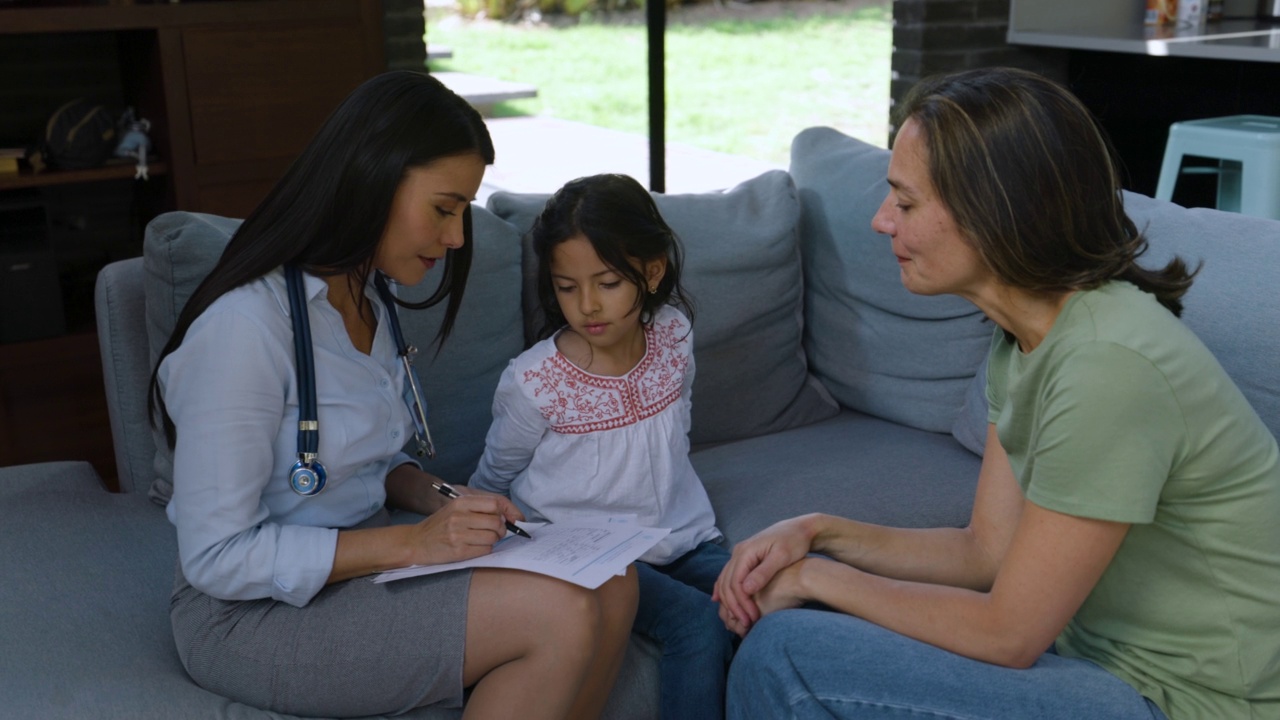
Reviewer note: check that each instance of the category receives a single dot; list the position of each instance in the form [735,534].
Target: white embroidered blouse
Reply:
[569,444]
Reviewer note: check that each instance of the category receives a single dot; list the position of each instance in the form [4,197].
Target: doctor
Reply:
[287,451]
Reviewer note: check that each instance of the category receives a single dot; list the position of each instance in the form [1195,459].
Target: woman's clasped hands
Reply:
[765,574]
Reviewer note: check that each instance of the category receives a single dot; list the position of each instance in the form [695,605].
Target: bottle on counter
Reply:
[1160,12]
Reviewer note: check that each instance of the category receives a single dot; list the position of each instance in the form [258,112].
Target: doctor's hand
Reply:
[752,567]
[463,528]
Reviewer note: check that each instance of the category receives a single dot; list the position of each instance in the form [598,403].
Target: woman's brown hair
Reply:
[1032,182]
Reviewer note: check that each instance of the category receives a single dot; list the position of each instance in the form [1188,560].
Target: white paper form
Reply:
[583,552]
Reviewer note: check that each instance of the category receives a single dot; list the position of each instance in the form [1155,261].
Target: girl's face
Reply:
[600,304]
[933,254]
[426,216]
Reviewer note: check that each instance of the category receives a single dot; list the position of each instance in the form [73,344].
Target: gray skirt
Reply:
[358,648]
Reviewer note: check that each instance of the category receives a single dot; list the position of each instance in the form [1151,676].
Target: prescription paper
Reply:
[583,552]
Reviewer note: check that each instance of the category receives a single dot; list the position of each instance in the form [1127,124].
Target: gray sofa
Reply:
[822,385]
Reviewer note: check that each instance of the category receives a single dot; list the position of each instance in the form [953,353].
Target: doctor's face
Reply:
[426,216]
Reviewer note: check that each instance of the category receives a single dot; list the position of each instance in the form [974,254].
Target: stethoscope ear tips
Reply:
[307,479]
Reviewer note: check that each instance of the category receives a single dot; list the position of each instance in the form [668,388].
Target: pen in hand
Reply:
[447,490]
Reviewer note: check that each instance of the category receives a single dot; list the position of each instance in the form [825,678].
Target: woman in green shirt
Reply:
[1127,515]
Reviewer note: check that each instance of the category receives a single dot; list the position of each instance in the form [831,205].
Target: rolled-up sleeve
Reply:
[226,388]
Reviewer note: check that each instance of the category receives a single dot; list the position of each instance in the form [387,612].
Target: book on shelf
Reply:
[10,157]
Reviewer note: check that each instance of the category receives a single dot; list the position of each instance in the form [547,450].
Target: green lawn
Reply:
[734,85]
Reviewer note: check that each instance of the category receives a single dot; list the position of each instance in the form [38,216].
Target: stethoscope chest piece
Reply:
[307,479]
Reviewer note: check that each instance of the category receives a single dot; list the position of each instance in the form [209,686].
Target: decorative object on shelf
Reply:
[1161,12]
[9,159]
[80,134]
[134,142]
[1191,13]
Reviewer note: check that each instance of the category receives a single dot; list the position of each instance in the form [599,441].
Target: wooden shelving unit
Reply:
[233,89]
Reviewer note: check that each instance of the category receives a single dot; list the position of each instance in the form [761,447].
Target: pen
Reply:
[447,490]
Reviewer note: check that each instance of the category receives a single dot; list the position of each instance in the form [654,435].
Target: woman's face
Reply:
[933,254]
[426,216]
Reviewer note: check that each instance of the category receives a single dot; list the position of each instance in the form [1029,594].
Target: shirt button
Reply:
[385,382]
[395,434]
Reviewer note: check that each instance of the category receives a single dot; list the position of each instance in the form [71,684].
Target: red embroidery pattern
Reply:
[577,402]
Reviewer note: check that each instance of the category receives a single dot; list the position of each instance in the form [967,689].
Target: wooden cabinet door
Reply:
[257,95]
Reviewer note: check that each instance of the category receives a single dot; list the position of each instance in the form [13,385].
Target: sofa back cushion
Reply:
[1233,305]
[182,247]
[178,251]
[742,268]
[461,379]
[879,348]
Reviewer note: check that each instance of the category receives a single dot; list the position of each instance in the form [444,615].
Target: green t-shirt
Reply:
[1123,414]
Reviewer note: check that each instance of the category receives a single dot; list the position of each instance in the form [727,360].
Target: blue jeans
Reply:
[820,664]
[676,611]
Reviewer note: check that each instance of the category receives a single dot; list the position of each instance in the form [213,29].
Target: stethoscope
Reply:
[307,476]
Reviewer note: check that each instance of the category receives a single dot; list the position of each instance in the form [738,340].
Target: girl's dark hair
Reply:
[1032,182]
[621,221]
[328,213]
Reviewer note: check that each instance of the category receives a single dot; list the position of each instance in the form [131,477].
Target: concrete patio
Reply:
[539,154]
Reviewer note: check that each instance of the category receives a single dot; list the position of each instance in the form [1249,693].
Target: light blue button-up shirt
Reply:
[232,392]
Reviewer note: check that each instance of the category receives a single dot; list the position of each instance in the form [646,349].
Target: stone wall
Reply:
[403,26]
[938,36]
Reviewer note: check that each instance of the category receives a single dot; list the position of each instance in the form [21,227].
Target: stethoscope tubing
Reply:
[407,352]
[307,477]
[304,362]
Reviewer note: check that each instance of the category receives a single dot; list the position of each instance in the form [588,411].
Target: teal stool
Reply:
[1247,148]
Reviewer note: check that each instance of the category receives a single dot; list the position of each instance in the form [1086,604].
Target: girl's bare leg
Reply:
[541,648]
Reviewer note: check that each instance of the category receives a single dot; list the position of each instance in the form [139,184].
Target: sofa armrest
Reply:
[65,476]
[119,304]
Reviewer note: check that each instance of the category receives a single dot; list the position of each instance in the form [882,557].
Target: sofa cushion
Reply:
[742,267]
[120,309]
[92,639]
[178,251]
[879,348]
[181,248]
[85,603]
[870,470]
[460,380]
[1231,306]
[970,426]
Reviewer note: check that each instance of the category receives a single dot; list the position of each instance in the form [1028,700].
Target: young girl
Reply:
[594,419]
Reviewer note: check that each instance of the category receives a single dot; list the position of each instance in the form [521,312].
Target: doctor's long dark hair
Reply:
[327,214]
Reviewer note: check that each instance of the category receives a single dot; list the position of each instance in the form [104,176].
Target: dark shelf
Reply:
[27,178]
[76,18]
